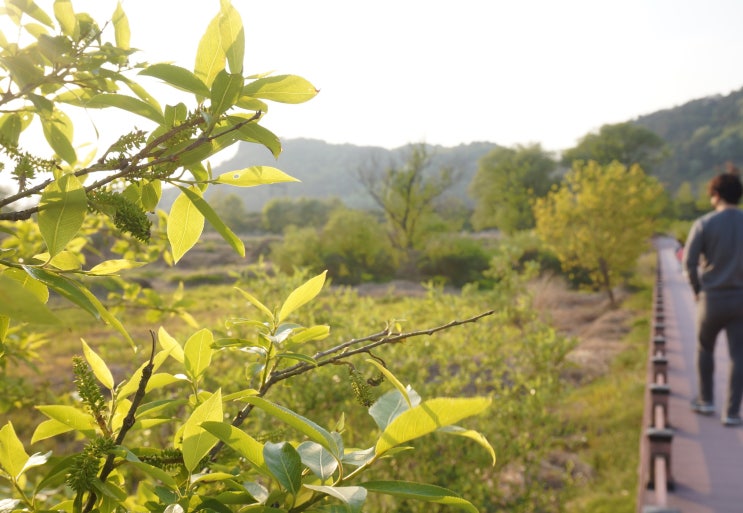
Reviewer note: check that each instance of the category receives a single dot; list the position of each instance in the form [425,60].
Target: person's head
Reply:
[727,187]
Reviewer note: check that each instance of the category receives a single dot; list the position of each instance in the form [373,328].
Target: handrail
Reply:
[655,446]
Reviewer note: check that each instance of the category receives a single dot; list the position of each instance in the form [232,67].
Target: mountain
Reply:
[702,135]
[332,170]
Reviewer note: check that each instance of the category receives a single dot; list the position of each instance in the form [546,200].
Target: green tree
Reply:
[169,437]
[505,185]
[600,218]
[407,195]
[627,143]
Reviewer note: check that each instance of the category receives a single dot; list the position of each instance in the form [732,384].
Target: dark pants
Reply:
[719,311]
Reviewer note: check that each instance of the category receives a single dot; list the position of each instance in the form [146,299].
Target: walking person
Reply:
[713,262]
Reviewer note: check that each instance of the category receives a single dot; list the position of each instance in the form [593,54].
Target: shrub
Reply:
[456,259]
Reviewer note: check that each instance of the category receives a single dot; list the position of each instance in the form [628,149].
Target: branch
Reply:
[340,353]
[128,421]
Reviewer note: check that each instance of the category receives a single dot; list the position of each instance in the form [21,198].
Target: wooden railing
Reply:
[656,444]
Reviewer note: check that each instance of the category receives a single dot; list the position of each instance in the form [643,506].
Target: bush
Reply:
[456,259]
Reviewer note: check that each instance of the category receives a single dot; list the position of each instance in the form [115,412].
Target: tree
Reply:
[600,218]
[626,143]
[61,201]
[505,185]
[407,195]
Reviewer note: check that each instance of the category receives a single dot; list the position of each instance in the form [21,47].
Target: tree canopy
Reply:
[626,143]
[600,218]
[505,185]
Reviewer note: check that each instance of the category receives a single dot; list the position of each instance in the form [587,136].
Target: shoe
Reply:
[702,407]
[732,420]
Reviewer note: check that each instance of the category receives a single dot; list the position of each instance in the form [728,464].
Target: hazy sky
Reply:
[444,72]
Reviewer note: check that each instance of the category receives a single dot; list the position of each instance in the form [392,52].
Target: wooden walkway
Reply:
[706,471]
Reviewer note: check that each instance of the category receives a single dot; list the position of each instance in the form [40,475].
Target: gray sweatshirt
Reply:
[713,256]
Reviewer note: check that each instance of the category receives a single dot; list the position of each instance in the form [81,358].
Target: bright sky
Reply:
[510,72]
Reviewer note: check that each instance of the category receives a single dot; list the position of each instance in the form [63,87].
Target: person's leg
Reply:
[708,327]
[734,331]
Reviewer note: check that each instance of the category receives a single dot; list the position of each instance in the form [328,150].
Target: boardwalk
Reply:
[707,458]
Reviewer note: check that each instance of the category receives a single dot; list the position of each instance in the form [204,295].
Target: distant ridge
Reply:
[331,170]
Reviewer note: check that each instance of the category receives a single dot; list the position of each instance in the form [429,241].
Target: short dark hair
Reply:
[727,186]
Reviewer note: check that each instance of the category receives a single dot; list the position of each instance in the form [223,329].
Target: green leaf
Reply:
[208,212]
[392,404]
[62,210]
[65,260]
[66,17]
[155,472]
[109,267]
[284,463]
[318,460]
[210,56]
[58,133]
[33,10]
[305,426]
[69,416]
[255,175]
[244,444]
[151,193]
[121,27]
[302,295]
[48,429]
[19,303]
[198,353]
[318,332]
[225,92]
[260,306]
[289,355]
[472,435]
[352,496]
[197,442]
[178,77]
[253,132]
[428,417]
[22,70]
[79,295]
[232,36]
[64,287]
[132,384]
[392,379]
[185,224]
[128,103]
[281,88]
[13,456]
[420,492]
[170,345]
[10,127]
[99,367]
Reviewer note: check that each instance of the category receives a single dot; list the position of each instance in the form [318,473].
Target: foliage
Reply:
[506,183]
[280,213]
[352,246]
[702,136]
[580,219]
[407,196]
[168,437]
[626,143]
[456,260]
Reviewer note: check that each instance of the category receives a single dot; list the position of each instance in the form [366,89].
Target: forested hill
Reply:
[332,170]
[702,135]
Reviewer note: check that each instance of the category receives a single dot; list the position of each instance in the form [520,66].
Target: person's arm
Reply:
[692,251]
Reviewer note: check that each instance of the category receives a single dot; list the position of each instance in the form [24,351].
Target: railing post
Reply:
[660,446]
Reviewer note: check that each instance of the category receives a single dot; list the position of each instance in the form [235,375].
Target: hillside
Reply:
[328,170]
[701,134]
